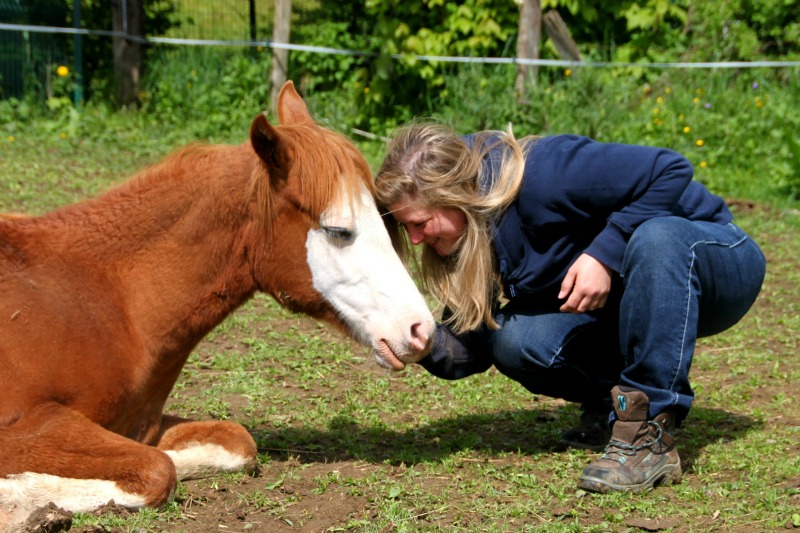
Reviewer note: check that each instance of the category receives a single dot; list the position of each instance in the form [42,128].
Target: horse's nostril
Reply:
[420,335]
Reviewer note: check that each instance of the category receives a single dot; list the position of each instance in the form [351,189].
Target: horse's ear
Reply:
[267,144]
[291,108]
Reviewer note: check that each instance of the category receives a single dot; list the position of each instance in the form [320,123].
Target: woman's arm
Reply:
[458,356]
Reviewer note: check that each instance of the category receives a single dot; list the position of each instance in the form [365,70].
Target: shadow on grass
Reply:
[526,432]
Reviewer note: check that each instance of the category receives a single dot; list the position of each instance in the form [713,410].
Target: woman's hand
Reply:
[586,285]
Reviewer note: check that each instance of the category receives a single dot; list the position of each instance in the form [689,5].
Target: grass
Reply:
[348,447]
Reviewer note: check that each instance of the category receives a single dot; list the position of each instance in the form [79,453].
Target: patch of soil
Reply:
[48,519]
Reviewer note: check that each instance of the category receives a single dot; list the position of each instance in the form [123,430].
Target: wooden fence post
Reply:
[557,30]
[528,43]
[280,56]
[128,18]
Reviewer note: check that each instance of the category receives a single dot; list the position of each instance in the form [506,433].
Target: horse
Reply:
[102,301]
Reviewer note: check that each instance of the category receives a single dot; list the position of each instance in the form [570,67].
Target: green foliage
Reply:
[738,129]
[402,30]
[158,18]
[45,52]
[744,30]
[332,24]
[212,93]
[206,92]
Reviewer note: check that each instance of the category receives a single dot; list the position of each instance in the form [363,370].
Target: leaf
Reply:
[793,144]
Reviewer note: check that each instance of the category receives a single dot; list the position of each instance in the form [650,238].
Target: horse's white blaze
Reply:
[202,460]
[362,277]
[21,494]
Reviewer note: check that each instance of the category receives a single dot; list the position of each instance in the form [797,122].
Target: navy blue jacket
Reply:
[578,196]
[581,196]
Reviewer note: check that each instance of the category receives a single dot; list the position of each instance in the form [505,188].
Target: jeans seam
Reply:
[685,318]
[718,243]
[689,300]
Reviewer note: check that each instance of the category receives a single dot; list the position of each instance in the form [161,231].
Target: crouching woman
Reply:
[582,270]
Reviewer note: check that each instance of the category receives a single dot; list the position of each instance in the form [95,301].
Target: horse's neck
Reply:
[175,241]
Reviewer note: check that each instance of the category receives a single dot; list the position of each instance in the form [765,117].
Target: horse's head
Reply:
[330,255]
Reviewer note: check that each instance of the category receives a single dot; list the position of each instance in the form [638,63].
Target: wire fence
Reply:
[24,56]
[38,36]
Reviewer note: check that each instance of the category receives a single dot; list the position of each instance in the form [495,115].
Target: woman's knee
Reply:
[657,244]
[516,351]
[657,235]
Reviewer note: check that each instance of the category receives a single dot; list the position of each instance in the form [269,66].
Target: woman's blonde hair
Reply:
[429,162]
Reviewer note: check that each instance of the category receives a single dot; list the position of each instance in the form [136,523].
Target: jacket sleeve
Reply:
[458,356]
[605,189]
[652,188]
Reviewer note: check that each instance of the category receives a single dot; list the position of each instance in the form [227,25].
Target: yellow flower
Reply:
[62,71]
[703,164]
[260,48]
[686,129]
[699,143]
[656,111]
[11,138]
[759,102]
[659,100]
[667,90]
[62,135]
[567,72]
[366,90]
[696,100]
[699,91]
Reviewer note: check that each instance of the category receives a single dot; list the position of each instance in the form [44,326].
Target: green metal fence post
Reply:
[76,23]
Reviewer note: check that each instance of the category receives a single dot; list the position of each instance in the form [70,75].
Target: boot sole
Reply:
[667,475]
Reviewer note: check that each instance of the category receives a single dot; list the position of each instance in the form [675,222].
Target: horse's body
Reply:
[101,303]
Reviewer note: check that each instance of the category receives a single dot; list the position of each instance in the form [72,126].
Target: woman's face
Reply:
[438,227]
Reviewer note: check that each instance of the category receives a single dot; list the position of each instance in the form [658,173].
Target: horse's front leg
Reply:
[200,449]
[55,454]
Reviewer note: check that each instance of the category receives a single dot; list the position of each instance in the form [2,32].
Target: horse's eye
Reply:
[338,233]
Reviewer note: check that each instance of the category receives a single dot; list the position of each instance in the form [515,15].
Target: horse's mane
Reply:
[317,154]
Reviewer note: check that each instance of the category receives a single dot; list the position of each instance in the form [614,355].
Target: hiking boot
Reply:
[592,433]
[641,452]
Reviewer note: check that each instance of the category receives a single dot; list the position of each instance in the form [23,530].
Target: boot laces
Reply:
[629,450]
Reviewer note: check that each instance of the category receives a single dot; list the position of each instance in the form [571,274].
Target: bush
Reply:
[737,128]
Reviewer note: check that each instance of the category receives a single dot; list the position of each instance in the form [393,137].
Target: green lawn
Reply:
[349,447]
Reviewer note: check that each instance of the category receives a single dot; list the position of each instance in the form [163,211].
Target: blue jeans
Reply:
[680,280]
